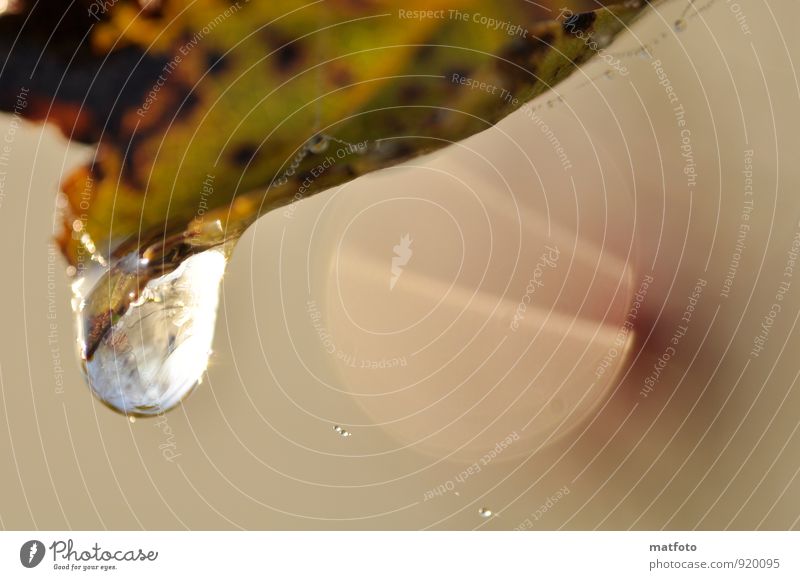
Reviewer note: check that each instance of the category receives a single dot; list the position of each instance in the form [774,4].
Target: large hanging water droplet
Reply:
[145,327]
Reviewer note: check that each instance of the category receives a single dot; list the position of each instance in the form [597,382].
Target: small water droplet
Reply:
[485,512]
[342,431]
[608,75]
[680,25]
[643,53]
[318,143]
[132,419]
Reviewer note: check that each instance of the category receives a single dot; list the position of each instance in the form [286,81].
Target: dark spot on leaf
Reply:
[96,170]
[579,22]
[546,39]
[286,53]
[425,52]
[134,151]
[288,56]
[517,50]
[435,117]
[524,50]
[243,155]
[217,62]
[411,92]
[339,76]
[526,53]
[188,104]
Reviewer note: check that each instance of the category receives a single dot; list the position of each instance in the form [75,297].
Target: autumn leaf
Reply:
[194,106]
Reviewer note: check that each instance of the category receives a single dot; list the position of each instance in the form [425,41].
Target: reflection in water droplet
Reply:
[132,419]
[342,431]
[485,512]
[680,25]
[145,348]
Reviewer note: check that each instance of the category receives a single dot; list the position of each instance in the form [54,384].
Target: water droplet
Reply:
[132,419]
[145,324]
[609,75]
[342,431]
[680,25]
[318,143]
[485,512]
[643,53]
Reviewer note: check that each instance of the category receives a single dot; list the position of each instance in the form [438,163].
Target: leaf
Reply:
[217,110]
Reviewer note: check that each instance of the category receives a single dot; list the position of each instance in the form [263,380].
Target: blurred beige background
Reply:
[713,444]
